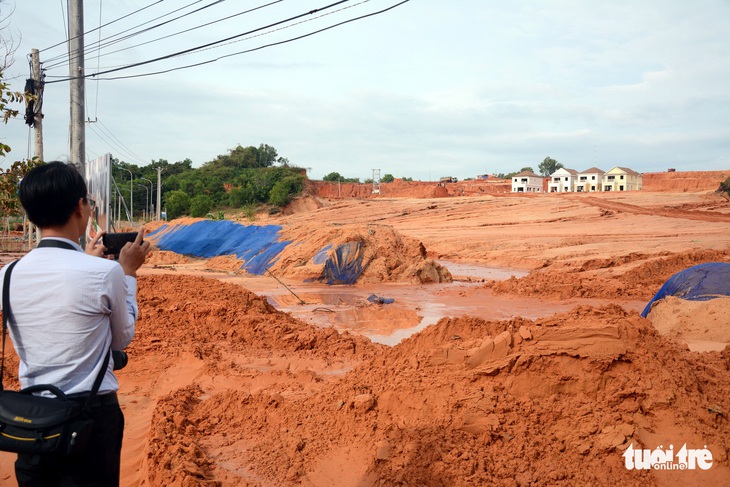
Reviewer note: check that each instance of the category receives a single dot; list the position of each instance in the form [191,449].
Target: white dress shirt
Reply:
[68,308]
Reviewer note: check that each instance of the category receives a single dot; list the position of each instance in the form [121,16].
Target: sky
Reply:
[429,88]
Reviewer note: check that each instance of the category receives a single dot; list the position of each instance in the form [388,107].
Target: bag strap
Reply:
[6,312]
[6,317]
[49,242]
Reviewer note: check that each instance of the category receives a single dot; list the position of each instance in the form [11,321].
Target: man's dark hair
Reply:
[50,192]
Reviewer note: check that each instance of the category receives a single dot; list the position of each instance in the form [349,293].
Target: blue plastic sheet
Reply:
[344,265]
[697,283]
[257,246]
[374,298]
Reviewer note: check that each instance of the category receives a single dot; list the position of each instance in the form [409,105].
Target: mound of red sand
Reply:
[465,402]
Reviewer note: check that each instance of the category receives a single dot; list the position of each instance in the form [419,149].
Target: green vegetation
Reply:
[240,179]
[725,187]
[335,177]
[9,178]
[388,178]
[549,166]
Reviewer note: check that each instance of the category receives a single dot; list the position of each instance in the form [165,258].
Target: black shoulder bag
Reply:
[38,424]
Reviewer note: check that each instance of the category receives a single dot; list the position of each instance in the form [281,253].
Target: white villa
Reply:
[593,180]
[562,181]
[590,181]
[622,179]
[527,182]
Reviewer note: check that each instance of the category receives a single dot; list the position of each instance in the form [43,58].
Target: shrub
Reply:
[200,205]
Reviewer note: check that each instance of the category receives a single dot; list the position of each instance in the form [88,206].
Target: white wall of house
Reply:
[622,179]
[527,182]
[589,181]
[562,181]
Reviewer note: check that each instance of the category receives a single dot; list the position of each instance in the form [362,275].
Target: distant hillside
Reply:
[684,181]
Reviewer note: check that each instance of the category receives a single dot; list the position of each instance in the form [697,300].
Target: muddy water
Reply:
[413,307]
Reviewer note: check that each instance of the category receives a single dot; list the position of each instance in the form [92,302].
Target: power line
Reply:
[257,48]
[242,39]
[106,129]
[108,23]
[119,146]
[60,59]
[192,49]
[189,29]
[187,51]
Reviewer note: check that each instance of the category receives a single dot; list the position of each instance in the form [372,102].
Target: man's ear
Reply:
[79,207]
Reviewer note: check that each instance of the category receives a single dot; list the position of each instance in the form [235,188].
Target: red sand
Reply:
[223,389]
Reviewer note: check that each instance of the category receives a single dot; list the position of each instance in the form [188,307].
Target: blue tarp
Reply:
[257,246]
[374,298]
[344,265]
[696,283]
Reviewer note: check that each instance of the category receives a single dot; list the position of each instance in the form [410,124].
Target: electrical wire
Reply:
[222,40]
[61,59]
[240,52]
[108,131]
[112,143]
[108,23]
[179,32]
[190,50]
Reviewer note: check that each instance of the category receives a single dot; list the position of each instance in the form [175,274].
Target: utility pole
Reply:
[38,118]
[77,148]
[35,61]
[159,190]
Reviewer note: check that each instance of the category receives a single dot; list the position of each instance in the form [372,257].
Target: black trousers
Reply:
[98,465]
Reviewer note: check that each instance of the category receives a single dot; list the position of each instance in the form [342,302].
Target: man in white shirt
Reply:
[69,309]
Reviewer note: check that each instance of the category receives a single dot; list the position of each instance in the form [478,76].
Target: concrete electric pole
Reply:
[77,150]
[38,117]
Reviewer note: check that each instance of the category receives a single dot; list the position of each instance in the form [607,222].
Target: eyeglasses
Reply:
[92,203]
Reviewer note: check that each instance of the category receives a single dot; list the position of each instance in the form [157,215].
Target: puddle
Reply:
[476,271]
[415,306]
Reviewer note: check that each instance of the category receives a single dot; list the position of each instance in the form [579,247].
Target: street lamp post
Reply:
[131,196]
[147,199]
[149,202]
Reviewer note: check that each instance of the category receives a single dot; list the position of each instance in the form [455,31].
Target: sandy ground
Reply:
[527,363]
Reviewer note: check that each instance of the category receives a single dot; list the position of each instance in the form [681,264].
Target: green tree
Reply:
[266,155]
[549,166]
[333,177]
[9,203]
[285,189]
[200,205]
[527,169]
[177,203]
[388,178]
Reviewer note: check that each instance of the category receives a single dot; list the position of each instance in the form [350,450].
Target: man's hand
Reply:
[96,247]
[132,255]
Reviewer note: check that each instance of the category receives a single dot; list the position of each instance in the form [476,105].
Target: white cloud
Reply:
[469,87]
